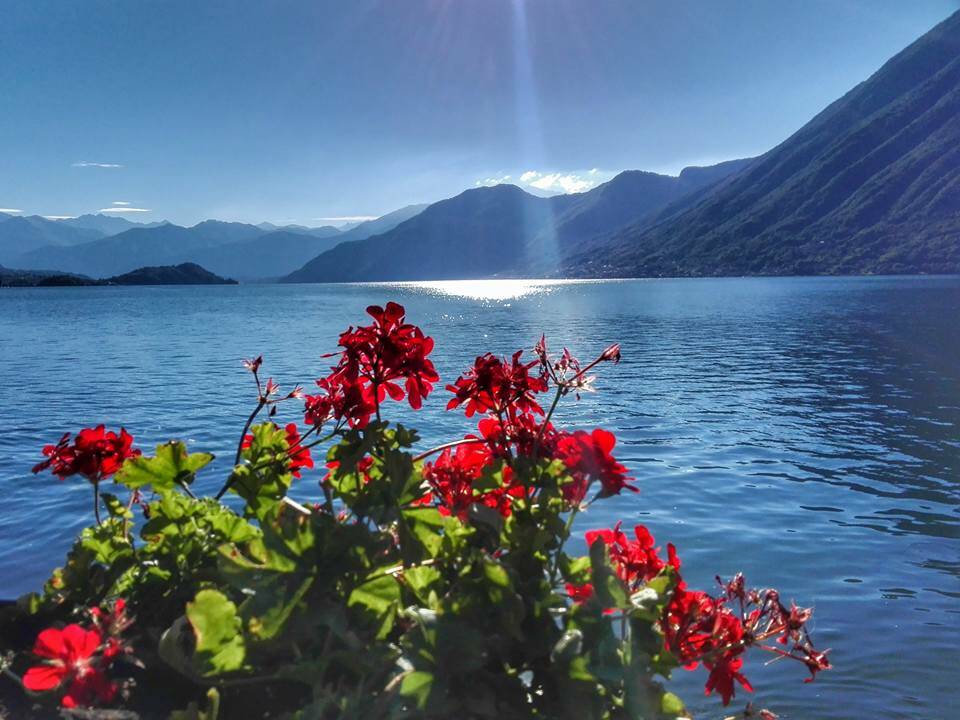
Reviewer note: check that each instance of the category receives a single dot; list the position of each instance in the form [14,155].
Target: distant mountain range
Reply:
[104,246]
[870,185]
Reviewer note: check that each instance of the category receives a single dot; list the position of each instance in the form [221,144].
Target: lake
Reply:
[803,430]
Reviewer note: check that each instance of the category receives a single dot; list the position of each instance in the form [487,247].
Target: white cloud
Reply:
[85,164]
[491,181]
[120,203]
[560,182]
[11,211]
[346,218]
[59,217]
[124,210]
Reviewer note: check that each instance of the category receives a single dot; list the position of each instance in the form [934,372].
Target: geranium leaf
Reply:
[171,466]
[217,631]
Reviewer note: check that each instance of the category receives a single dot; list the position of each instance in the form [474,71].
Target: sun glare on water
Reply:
[491,290]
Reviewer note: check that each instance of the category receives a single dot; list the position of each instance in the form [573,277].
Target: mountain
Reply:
[270,255]
[105,224]
[323,231]
[138,247]
[183,274]
[382,224]
[870,185]
[503,230]
[22,234]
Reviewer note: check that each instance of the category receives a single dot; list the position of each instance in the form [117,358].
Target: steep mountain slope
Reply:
[503,230]
[870,185]
[382,224]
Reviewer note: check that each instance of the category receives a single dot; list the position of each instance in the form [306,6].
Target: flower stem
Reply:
[438,448]
[96,502]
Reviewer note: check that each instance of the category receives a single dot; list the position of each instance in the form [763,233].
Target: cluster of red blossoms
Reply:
[374,361]
[76,659]
[94,454]
[715,630]
[515,425]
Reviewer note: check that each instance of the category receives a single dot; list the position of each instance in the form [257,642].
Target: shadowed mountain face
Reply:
[503,230]
[870,185]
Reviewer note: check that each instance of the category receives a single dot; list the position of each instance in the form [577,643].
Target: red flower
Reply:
[299,455]
[587,457]
[453,474]
[95,454]
[722,675]
[580,593]
[71,661]
[635,561]
[374,359]
[495,386]
[520,434]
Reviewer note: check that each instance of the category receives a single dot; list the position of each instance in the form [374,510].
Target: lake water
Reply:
[802,430]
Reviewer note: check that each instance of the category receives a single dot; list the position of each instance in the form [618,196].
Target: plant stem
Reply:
[253,415]
[438,448]
[96,502]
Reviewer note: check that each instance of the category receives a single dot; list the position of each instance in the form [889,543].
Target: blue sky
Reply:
[295,111]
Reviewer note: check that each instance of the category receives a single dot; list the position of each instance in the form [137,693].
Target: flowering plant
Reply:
[427,583]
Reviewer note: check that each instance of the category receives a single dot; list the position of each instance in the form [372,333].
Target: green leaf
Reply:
[379,598]
[417,686]
[426,525]
[421,580]
[171,466]
[216,627]
[114,507]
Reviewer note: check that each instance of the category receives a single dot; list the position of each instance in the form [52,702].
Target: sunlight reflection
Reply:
[487,289]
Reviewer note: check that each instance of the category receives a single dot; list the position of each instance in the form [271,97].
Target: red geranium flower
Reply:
[299,455]
[71,661]
[587,457]
[579,593]
[95,454]
[636,561]
[722,675]
[452,476]
[376,357]
[493,385]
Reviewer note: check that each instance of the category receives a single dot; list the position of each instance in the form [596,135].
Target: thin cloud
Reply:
[124,210]
[346,218]
[565,182]
[120,203]
[491,181]
[10,210]
[86,164]
[59,217]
